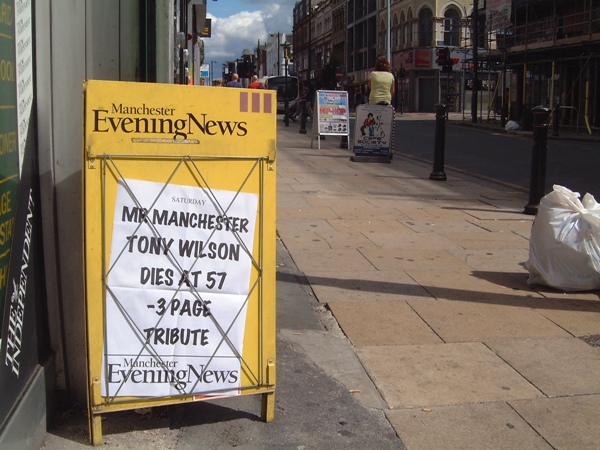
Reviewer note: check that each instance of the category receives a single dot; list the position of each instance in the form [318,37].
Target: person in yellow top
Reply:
[381,83]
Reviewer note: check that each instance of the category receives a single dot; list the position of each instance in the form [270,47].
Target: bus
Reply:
[278,83]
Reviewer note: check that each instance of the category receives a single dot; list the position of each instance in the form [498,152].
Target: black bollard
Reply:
[555,119]
[440,139]
[537,184]
[302,116]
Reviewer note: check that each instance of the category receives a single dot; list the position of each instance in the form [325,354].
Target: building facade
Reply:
[53,48]
[551,53]
[528,53]
[275,54]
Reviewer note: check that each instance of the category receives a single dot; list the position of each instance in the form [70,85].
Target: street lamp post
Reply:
[388,38]
[212,73]
[278,54]
[286,119]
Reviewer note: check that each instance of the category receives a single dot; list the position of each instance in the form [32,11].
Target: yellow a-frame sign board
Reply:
[179,229]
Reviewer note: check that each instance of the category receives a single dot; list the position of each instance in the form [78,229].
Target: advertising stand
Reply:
[373,133]
[331,115]
[179,230]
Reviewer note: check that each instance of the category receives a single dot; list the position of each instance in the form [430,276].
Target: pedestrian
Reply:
[381,83]
[255,83]
[235,81]
[307,94]
[358,98]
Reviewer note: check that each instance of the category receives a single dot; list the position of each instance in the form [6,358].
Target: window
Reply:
[425,27]
[382,38]
[409,36]
[403,31]
[452,27]
[395,33]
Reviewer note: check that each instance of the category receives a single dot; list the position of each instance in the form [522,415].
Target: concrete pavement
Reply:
[426,280]
[404,321]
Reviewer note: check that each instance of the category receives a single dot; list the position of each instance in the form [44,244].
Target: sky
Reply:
[240,24]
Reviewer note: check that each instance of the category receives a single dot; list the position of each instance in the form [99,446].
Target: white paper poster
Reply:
[177,287]
[332,113]
[373,130]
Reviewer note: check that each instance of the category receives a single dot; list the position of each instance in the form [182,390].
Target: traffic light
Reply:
[442,56]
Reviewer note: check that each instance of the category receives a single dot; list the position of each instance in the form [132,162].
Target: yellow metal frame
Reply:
[209,157]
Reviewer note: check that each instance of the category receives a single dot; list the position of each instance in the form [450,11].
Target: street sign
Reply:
[179,245]
[374,131]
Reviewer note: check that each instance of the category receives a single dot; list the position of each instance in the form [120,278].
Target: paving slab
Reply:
[309,189]
[403,200]
[346,239]
[557,367]
[494,259]
[462,283]
[360,286]
[509,226]
[411,376]
[388,222]
[347,208]
[467,427]
[440,226]
[488,240]
[387,200]
[323,240]
[566,423]
[471,321]
[435,214]
[578,317]
[313,262]
[370,184]
[287,200]
[320,213]
[407,239]
[552,293]
[411,259]
[382,323]
[297,227]
[498,213]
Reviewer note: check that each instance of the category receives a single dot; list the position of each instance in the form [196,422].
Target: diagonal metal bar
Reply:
[184,273]
[224,211]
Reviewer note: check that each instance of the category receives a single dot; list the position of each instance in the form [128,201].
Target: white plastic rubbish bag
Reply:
[564,248]
[511,125]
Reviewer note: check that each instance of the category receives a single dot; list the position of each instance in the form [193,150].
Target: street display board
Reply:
[331,114]
[23,320]
[9,148]
[374,131]
[179,212]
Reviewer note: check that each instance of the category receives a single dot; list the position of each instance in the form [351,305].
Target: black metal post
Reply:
[555,119]
[286,117]
[182,29]
[302,116]
[504,107]
[401,96]
[344,141]
[537,184]
[440,140]
[447,109]
[475,38]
